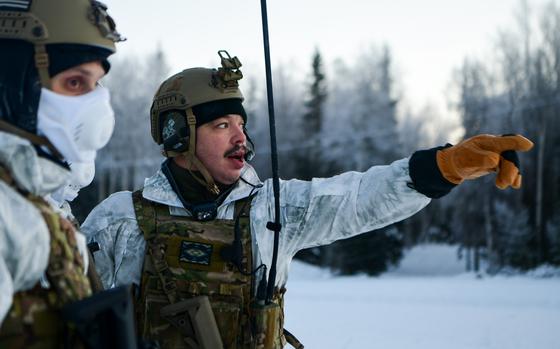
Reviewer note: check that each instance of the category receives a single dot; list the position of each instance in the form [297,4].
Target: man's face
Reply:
[216,144]
[78,80]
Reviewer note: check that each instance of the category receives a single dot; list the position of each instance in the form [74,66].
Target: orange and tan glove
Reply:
[480,155]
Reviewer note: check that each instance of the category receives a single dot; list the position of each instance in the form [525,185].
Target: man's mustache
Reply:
[235,149]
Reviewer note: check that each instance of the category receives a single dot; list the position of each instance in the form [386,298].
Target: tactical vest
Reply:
[183,267]
[34,320]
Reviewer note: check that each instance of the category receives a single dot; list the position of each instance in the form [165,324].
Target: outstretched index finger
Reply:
[499,144]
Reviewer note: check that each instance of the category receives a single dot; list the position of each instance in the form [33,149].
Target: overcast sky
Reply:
[427,38]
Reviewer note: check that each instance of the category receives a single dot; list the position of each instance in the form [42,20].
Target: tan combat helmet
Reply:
[43,22]
[173,122]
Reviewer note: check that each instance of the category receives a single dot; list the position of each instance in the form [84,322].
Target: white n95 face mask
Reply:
[78,126]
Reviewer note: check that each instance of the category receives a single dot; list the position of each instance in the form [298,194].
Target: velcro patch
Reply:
[195,252]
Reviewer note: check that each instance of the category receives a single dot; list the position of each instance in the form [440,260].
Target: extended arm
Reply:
[324,210]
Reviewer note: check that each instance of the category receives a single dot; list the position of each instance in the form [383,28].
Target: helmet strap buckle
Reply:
[42,65]
[191,121]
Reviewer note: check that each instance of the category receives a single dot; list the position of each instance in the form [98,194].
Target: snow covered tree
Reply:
[553,236]
[132,155]
[516,242]
[360,113]
[288,106]
[360,130]
[309,156]
[520,96]
[371,253]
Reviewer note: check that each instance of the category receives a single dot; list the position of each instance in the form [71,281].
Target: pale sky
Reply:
[428,38]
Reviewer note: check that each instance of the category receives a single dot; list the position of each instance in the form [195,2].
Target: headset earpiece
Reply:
[174,131]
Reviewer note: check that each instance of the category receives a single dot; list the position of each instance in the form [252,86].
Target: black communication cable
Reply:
[274,226]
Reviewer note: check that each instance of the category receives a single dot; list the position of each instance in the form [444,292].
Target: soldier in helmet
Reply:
[54,117]
[195,236]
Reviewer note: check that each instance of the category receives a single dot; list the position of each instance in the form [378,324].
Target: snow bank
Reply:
[424,312]
[428,302]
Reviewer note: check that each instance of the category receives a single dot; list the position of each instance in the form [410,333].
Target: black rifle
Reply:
[104,320]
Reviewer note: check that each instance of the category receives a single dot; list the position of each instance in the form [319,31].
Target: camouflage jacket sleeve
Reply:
[24,246]
[113,225]
[323,210]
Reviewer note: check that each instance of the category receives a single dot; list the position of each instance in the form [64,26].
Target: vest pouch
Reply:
[226,293]
[227,311]
[155,327]
[267,328]
[165,323]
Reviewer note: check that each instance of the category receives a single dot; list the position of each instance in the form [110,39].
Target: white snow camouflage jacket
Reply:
[24,236]
[313,213]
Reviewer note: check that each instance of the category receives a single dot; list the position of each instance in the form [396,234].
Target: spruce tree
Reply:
[309,154]
[308,157]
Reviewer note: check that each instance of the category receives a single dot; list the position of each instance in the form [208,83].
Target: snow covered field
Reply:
[405,310]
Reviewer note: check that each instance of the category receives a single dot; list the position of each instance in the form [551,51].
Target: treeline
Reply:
[355,118]
[331,124]
[348,116]
[518,91]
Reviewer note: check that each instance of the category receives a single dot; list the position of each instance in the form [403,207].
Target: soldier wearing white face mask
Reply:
[80,125]
[54,117]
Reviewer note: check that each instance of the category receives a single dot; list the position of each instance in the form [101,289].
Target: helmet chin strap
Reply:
[42,65]
[208,180]
[191,155]
[191,158]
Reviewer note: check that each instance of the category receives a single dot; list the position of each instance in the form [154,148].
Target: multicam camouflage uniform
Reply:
[33,320]
[183,261]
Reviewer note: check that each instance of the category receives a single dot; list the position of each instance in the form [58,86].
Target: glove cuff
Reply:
[425,174]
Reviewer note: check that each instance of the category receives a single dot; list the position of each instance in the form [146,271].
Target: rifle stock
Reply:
[195,320]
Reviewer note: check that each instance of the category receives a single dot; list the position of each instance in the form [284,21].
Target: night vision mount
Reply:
[228,76]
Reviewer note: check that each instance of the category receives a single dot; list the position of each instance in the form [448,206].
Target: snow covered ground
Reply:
[426,303]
